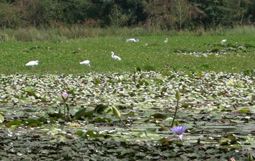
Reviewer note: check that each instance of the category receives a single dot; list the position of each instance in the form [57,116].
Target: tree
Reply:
[117,17]
[234,11]
[180,10]
[158,13]
[33,12]
[9,16]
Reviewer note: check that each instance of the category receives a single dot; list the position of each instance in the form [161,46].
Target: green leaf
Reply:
[230,83]
[148,134]
[71,92]
[29,91]
[100,108]
[79,132]
[1,118]
[228,140]
[244,111]
[16,122]
[250,157]
[79,113]
[157,115]
[92,134]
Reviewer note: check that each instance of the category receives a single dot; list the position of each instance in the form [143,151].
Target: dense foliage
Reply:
[150,14]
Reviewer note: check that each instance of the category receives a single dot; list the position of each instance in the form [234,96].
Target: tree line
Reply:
[157,14]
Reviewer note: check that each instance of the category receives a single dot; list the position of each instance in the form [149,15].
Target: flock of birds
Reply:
[87,62]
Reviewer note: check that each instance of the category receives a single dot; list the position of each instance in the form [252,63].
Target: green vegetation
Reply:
[63,57]
[116,110]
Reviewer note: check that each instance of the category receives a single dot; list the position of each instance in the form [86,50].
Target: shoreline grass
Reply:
[62,33]
[63,57]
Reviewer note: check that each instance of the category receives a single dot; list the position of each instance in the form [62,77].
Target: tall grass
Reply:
[63,33]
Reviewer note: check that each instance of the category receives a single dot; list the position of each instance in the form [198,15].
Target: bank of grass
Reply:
[64,56]
[63,33]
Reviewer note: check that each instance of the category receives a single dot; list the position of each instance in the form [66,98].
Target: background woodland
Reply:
[148,14]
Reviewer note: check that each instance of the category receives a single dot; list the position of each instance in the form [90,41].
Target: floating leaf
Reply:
[100,108]
[149,134]
[29,91]
[244,111]
[157,115]
[228,140]
[230,83]
[92,134]
[79,132]
[102,120]
[79,113]
[16,122]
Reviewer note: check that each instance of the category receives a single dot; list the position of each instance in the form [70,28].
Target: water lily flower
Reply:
[66,106]
[179,130]
[223,50]
[65,95]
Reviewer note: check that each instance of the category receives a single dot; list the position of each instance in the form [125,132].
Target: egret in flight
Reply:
[166,40]
[32,63]
[132,40]
[85,62]
[115,56]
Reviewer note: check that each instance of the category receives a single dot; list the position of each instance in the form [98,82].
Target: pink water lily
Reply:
[179,130]
[65,95]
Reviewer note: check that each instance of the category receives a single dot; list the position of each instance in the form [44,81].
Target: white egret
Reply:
[166,40]
[132,40]
[85,62]
[115,56]
[222,41]
[32,63]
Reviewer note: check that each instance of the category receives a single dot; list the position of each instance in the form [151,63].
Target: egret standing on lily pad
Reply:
[85,62]
[32,63]
[115,56]
[132,40]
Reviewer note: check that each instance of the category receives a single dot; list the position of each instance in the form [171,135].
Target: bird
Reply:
[222,41]
[32,63]
[85,62]
[132,40]
[166,40]
[115,56]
